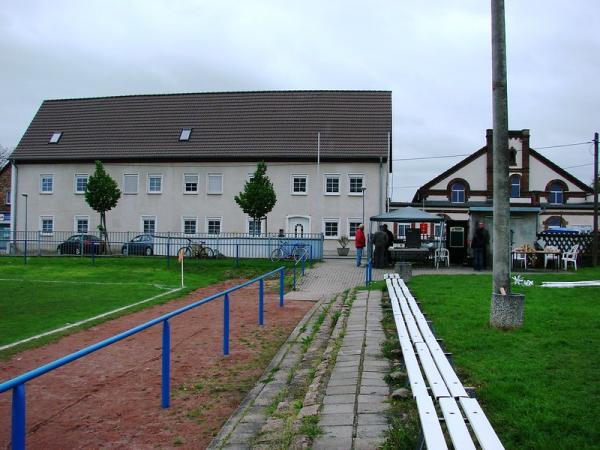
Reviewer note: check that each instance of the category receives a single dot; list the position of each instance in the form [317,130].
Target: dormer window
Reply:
[185,134]
[55,137]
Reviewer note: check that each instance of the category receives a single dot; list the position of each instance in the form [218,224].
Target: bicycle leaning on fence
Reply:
[287,251]
[197,250]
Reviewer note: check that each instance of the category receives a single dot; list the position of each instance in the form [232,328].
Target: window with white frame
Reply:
[299,184]
[190,183]
[46,183]
[556,196]
[81,180]
[254,227]
[402,227]
[148,224]
[457,193]
[154,183]
[331,228]
[332,184]
[47,224]
[353,225]
[7,197]
[437,230]
[190,225]
[81,224]
[214,183]
[213,225]
[355,183]
[130,183]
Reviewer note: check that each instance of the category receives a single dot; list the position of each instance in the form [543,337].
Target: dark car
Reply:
[139,245]
[81,242]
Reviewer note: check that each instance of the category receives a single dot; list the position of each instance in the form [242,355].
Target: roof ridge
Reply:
[175,94]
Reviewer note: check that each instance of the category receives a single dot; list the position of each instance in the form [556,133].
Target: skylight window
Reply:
[185,134]
[55,137]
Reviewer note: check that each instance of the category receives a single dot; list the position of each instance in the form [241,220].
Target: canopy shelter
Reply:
[407,214]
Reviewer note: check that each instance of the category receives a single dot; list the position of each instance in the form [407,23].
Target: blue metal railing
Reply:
[17,384]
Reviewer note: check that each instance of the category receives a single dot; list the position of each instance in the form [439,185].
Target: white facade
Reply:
[182,197]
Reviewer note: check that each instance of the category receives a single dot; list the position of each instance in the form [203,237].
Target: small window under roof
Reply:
[55,137]
[185,134]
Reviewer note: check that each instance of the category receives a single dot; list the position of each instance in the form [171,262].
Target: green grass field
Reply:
[49,293]
[539,384]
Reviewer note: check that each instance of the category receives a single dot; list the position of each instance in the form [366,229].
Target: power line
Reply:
[431,157]
[563,145]
[580,165]
[468,154]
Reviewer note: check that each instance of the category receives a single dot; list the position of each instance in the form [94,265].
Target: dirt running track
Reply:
[111,398]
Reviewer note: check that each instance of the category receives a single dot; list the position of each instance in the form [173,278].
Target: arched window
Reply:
[556,191]
[457,193]
[512,157]
[554,222]
[515,186]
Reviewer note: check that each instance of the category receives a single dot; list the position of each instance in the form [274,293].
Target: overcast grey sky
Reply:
[434,55]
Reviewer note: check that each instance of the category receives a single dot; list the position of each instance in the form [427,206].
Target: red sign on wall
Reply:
[423,228]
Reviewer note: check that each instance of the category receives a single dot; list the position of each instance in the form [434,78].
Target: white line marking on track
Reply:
[58,330]
[24,280]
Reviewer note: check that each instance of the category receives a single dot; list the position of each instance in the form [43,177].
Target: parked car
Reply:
[139,245]
[78,242]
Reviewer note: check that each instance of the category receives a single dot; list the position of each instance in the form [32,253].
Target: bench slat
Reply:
[459,433]
[430,424]
[435,380]
[415,377]
[480,424]
[453,383]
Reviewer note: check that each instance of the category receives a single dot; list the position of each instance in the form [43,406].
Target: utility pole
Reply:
[506,309]
[596,182]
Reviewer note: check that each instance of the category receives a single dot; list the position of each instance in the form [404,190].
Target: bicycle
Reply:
[285,251]
[199,250]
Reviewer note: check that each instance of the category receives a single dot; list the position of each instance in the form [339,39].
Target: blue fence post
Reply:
[303,264]
[261,302]
[166,363]
[281,285]
[226,325]
[18,418]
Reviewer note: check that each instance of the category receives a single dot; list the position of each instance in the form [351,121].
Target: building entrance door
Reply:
[298,226]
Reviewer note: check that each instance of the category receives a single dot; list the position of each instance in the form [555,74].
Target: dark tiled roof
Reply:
[279,125]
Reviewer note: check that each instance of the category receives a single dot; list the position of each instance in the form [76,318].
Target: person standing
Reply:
[390,236]
[360,242]
[481,239]
[380,240]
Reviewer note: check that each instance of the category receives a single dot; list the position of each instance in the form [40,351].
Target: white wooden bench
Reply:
[440,388]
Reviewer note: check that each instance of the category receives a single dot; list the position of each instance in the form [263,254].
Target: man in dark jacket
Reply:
[481,239]
[390,242]
[380,240]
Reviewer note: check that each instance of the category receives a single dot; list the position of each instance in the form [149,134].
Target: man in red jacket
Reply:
[359,241]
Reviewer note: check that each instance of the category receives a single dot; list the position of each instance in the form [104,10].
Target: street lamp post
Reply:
[25,195]
[363,189]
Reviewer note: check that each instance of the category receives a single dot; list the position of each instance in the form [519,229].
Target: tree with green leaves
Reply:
[102,194]
[258,197]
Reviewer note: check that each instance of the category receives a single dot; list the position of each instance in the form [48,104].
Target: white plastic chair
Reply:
[520,258]
[441,254]
[571,257]
[551,256]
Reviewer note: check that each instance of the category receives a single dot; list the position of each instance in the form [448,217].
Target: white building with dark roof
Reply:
[180,159]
